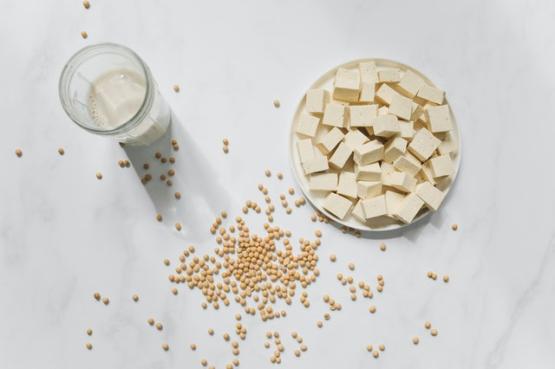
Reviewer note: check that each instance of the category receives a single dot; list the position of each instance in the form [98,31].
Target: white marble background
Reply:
[64,235]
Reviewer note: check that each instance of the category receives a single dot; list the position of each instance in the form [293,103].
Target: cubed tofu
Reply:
[407,130]
[331,140]
[306,150]
[337,205]
[386,169]
[401,106]
[323,182]
[400,181]
[408,164]
[318,163]
[367,189]
[371,172]
[442,166]
[374,207]
[340,156]
[347,85]
[430,93]
[427,174]
[448,145]
[307,124]
[358,213]
[355,138]
[410,83]
[389,75]
[394,148]
[439,118]
[347,185]
[367,92]
[431,196]
[334,115]
[408,208]
[386,125]
[368,72]
[423,144]
[362,115]
[316,100]
[392,201]
[369,153]
[385,94]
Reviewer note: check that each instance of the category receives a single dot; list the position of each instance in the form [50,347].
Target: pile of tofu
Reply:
[379,146]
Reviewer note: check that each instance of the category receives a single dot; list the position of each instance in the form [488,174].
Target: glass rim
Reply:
[75,62]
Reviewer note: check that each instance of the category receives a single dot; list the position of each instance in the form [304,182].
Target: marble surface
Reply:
[64,234]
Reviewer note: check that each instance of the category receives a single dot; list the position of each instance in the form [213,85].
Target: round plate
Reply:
[316,198]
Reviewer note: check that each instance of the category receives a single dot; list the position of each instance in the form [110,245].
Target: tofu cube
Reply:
[367,189]
[369,153]
[307,124]
[306,150]
[410,83]
[347,185]
[442,166]
[318,163]
[372,172]
[427,174]
[355,138]
[358,213]
[340,156]
[337,205]
[401,106]
[439,118]
[386,125]
[331,140]
[408,164]
[367,92]
[430,93]
[408,208]
[323,182]
[368,72]
[374,207]
[386,169]
[389,75]
[362,115]
[431,196]
[392,201]
[334,115]
[384,110]
[347,85]
[400,181]
[448,145]
[316,100]
[394,148]
[407,130]
[385,94]
[423,144]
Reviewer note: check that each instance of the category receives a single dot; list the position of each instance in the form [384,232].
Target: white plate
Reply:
[317,199]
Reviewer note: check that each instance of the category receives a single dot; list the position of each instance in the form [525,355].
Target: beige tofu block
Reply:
[394,148]
[408,208]
[318,163]
[331,140]
[358,213]
[323,182]
[400,181]
[408,164]
[439,118]
[427,174]
[407,130]
[369,153]
[347,85]
[367,189]
[334,115]
[337,205]
[307,124]
[367,92]
[410,83]
[355,138]
[389,75]
[442,166]
[347,185]
[423,144]
[385,94]
[316,100]
[371,172]
[374,207]
[386,169]
[432,94]
[431,196]
[401,106]
[368,72]
[340,156]
[362,115]
[384,110]
[392,201]
[448,145]
[386,125]
[306,150]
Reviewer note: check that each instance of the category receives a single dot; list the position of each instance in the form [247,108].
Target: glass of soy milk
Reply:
[108,90]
